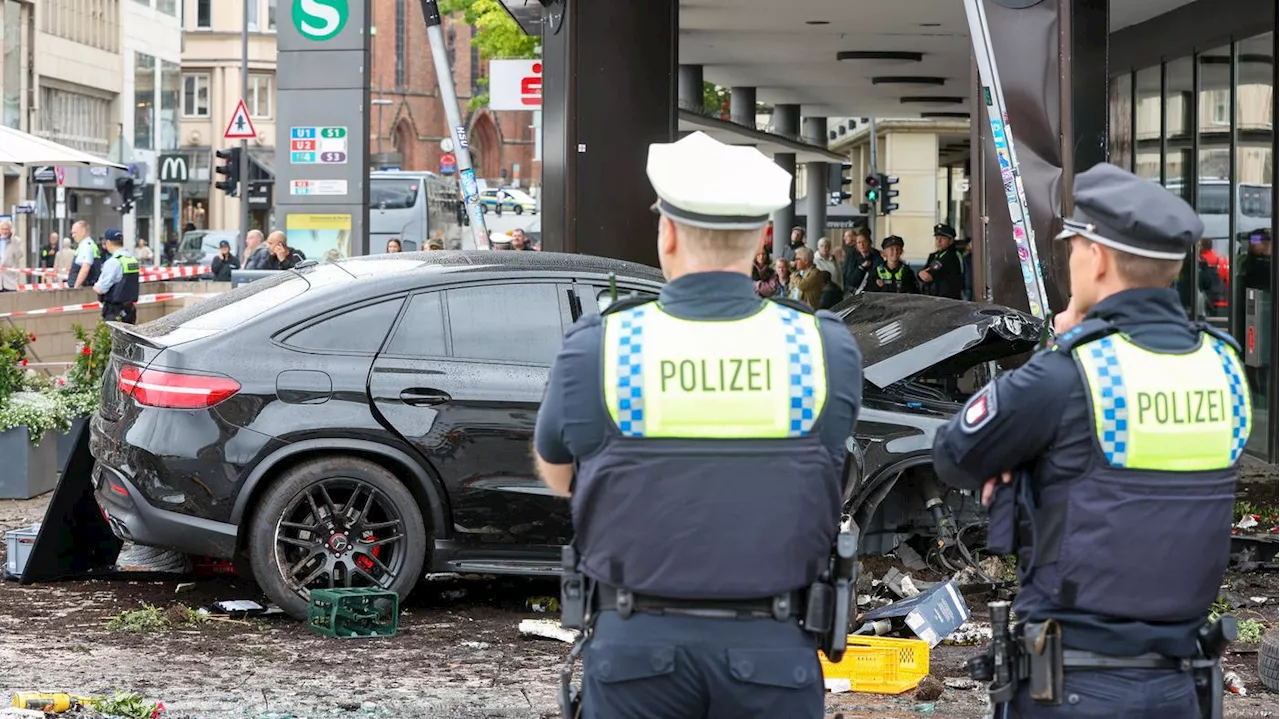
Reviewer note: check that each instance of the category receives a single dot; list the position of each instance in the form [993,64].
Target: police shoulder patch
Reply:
[979,410]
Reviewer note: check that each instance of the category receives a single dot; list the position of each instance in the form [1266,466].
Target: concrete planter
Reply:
[29,470]
[67,441]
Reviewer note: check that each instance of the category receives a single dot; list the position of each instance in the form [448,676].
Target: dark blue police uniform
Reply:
[1126,559]
[683,665]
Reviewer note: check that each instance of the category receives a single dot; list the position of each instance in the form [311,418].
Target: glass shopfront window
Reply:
[1255,133]
[1147,124]
[1213,196]
[1203,126]
[1121,121]
[1179,156]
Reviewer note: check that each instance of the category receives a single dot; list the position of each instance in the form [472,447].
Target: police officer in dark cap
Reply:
[894,275]
[943,273]
[1109,465]
[702,444]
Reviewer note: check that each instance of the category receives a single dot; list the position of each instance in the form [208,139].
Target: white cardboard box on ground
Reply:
[932,615]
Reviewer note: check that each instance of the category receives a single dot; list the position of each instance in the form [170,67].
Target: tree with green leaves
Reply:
[497,36]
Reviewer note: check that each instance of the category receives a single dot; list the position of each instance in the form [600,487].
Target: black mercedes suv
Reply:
[363,422]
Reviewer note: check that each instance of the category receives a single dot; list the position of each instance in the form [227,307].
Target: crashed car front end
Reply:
[924,357]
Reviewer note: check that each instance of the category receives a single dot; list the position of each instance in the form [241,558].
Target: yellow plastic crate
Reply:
[880,665]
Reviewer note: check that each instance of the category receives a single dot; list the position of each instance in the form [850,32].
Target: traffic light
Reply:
[873,190]
[124,185]
[231,169]
[887,193]
[837,177]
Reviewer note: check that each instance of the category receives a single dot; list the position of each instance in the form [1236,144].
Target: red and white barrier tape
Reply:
[156,274]
[88,306]
[181,270]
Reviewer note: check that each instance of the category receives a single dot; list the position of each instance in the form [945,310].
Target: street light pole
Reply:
[244,144]
[444,78]
[381,103]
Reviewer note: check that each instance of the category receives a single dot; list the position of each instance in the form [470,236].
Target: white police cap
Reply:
[705,183]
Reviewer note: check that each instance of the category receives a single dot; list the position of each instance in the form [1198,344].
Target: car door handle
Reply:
[422,396]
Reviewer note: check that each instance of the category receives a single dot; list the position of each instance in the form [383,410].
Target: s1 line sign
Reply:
[515,84]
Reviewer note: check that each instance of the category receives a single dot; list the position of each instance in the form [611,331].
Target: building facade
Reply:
[63,79]
[930,159]
[151,124]
[408,118]
[211,90]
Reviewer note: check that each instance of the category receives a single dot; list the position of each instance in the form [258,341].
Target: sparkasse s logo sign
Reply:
[320,20]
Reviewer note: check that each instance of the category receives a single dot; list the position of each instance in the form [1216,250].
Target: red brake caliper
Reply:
[364,562]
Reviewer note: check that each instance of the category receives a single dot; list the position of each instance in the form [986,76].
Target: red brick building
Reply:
[408,128]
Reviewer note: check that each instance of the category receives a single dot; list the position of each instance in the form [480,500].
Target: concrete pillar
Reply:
[815,132]
[742,106]
[689,93]
[786,121]
[589,144]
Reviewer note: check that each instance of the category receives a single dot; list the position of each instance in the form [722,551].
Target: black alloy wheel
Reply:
[336,523]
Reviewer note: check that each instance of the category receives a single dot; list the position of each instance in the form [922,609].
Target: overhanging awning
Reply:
[732,133]
[527,14]
[264,159]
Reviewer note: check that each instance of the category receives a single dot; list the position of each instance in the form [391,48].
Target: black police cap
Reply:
[1116,208]
[892,241]
[942,229]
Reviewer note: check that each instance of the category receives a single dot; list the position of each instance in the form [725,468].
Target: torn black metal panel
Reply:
[902,336]
[1027,56]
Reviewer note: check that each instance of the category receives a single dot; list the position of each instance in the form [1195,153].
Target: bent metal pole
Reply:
[1007,158]
[444,78]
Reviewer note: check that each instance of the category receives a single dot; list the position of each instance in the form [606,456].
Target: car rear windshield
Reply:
[235,307]
[393,194]
[202,240]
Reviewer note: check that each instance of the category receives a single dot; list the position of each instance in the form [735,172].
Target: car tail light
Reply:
[172,390]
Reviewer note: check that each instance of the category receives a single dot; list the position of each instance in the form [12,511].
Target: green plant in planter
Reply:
[42,405]
[93,351]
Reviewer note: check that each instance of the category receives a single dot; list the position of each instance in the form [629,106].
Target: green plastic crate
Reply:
[355,612]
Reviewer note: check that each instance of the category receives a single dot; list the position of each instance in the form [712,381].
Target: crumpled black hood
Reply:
[910,335]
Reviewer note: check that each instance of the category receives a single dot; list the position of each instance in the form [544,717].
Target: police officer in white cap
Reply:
[708,444]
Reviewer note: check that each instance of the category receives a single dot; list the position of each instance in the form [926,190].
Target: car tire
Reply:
[519,209]
[280,497]
[1269,661]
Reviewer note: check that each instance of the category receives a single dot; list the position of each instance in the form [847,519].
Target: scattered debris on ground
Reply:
[152,618]
[929,689]
[547,629]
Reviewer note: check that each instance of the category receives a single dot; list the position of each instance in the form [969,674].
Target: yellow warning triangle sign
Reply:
[240,127]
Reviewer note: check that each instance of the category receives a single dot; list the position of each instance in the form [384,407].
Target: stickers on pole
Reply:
[461,132]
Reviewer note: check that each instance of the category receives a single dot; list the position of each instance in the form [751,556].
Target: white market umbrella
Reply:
[26,150]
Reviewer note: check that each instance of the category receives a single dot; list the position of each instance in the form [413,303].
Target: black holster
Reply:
[573,615]
[1213,641]
[830,599]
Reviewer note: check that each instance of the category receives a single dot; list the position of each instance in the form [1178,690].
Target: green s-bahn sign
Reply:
[320,20]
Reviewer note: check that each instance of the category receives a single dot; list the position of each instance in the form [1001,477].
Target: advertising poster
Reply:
[321,236]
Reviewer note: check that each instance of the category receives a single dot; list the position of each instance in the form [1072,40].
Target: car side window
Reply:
[506,322]
[359,331]
[421,332]
[604,298]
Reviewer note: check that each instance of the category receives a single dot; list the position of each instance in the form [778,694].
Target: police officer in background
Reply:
[1117,498]
[894,275]
[943,272]
[88,262]
[708,445]
[117,286]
